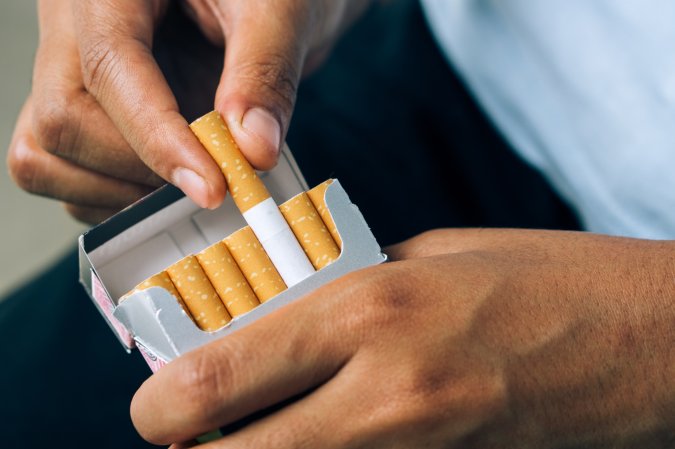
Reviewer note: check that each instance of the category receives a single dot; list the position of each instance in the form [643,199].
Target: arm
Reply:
[471,338]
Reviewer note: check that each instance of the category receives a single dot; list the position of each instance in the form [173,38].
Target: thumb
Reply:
[263,64]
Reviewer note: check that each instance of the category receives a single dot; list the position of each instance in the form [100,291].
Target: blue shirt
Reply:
[584,90]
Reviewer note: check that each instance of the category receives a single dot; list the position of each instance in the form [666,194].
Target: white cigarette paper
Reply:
[253,200]
[279,242]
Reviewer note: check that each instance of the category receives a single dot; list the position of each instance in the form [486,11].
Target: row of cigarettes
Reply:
[280,247]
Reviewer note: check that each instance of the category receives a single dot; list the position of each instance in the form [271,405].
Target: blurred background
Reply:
[33,231]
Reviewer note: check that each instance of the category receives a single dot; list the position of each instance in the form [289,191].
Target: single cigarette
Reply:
[253,199]
[159,280]
[227,279]
[318,197]
[310,230]
[198,294]
[255,264]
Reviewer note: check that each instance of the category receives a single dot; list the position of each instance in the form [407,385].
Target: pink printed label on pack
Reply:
[107,306]
[154,362]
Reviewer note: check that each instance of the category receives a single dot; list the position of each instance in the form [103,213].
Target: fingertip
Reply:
[258,134]
[145,415]
[133,410]
[204,193]
[137,415]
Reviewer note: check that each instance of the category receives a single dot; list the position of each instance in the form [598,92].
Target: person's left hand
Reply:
[471,338]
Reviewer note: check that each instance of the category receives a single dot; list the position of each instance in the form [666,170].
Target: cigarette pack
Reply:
[166,226]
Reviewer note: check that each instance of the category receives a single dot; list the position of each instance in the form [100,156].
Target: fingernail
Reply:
[192,185]
[263,125]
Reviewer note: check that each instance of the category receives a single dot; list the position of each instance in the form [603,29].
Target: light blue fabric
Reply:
[585,91]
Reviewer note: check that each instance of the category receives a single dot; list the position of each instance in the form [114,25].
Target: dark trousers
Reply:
[388,117]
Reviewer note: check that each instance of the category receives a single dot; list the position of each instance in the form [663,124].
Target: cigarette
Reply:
[198,294]
[255,264]
[253,199]
[227,279]
[159,280]
[318,197]
[310,230]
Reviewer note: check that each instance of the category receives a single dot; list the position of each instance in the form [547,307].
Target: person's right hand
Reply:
[64,145]
[101,122]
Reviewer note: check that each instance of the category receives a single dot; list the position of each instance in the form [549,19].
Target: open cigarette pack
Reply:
[165,228]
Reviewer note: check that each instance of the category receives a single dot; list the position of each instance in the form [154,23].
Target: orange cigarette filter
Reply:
[159,280]
[318,197]
[227,279]
[198,294]
[310,230]
[254,263]
[243,183]
[253,199]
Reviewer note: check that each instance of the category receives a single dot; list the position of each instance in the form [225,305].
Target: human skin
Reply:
[102,128]
[469,339]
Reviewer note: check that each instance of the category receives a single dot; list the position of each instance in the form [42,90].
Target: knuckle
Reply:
[22,163]
[380,302]
[386,293]
[433,395]
[275,73]
[197,382]
[98,63]
[425,244]
[204,380]
[51,119]
[426,388]
[147,142]
[422,245]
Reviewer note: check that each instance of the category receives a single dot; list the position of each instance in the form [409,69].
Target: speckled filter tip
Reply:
[243,183]
[310,230]
[227,279]
[198,294]
[318,197]
[255,264]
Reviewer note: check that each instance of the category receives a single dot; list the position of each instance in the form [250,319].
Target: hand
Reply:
[101,106]
[470,338]
[64,144]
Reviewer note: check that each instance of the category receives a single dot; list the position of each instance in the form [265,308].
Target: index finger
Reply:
[276,358]
[119,70]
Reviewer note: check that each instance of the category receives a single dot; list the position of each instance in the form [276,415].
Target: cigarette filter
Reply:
[199,295]
[253,200]
[318,197]
[254,264]
[310,230]
[159,280]
[227,279]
